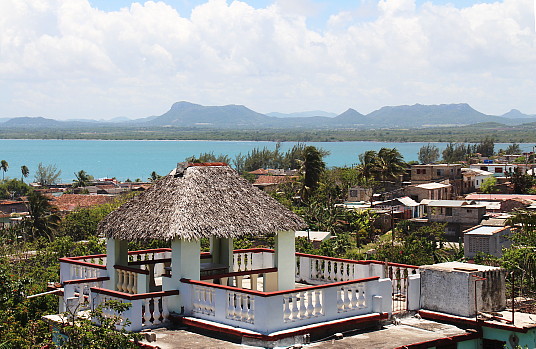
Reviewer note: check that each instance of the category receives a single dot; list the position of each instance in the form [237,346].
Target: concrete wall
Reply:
[450,288]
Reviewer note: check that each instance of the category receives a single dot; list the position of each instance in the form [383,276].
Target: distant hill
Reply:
[185,114]
[516,114]
[190,115]
[302,114]
[31,122]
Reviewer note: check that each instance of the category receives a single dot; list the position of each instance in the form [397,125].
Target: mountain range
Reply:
[185,114]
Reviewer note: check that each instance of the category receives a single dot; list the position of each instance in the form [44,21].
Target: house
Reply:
[359,194]
[445,173]
[72,202]
[500,170]
[315,237]
[473,179]
[265,297]
[271,183]
[429,191]
[403,207]
[487,239]
[12,206]
[435,173]
[458,215]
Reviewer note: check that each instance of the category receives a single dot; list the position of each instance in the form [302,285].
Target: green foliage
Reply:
[42,221]
[385,165]
[489,185]
[3,166]
[111,333]
[209,157]
[24,172]
[47,175]
[486,147]
[311,169]
[456,152]
[415,246]
[13,188]
[428,154]
[522,183]
[154,176]
[82,179]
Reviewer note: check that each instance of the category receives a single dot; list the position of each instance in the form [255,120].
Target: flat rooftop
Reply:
[409,331]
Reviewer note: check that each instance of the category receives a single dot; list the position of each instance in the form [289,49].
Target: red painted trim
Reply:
[277,293]
[102,255]
[133,297]
[134,270]
[152,250]
[264,337]
[254,250]
[239,273]
[206,255]
[468,321]
[443,341]
[331,258]
[83,281]
[151,261]
[86,264]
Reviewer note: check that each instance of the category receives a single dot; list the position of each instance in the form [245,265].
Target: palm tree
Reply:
[82,179]
[312,167]
[25,172]
[368,168]
[43,220]
[390,164]
[4,166]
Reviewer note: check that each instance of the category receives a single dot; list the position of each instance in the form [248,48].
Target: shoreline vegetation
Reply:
[467,134]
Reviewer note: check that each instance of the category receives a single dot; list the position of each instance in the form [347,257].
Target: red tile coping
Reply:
[277,293]
[151,261]
[239,273]
[88,280]
[372,318]
[468,321]
[133,297]
[79,262]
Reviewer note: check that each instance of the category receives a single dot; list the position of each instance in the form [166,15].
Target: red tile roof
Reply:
[70,202]
[260,171]
[271,180]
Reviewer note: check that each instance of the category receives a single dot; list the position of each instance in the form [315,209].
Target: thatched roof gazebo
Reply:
[197,201]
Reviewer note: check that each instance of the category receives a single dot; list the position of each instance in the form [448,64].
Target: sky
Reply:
[75,59]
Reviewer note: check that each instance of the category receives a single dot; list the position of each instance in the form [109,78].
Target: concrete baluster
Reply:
[165,310]
[146,316]
[156,312]
[295,310]
[340,299]
[286,308]
[310,307]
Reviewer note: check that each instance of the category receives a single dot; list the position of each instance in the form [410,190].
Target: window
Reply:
[423,171]
[418,171]
[448,211]
[498,170]
[438,172]
[353,193]
[484,168]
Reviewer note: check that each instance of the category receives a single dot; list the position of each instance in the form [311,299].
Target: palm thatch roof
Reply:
[195,201]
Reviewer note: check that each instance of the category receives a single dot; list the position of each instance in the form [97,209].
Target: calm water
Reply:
[137,159]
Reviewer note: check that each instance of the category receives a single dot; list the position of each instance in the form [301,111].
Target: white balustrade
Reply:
[154,311]
[127,281]
[302,305]
[203,300]
[240,307]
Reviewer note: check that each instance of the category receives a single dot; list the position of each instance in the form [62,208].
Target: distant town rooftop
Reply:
[484,230]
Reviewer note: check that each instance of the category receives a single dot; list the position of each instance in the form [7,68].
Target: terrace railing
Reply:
[291,308]
[146,310]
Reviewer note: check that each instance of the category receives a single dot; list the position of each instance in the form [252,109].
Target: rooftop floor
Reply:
[409,331]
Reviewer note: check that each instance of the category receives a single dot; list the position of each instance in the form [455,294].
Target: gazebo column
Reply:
[117,254]
[285,260]
[221,250]
[185,263]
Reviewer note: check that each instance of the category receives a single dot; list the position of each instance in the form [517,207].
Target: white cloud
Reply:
[63,58]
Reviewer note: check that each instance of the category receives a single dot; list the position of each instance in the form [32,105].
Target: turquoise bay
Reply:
[137,159]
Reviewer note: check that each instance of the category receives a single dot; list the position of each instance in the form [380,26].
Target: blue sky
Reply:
[108,58]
